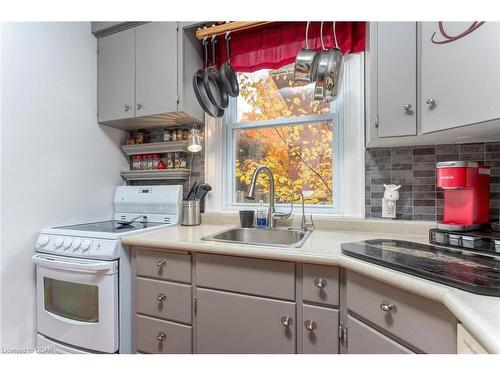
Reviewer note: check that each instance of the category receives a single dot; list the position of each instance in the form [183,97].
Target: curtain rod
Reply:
[230,26]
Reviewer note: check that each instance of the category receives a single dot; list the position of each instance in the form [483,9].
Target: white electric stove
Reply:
[84,273]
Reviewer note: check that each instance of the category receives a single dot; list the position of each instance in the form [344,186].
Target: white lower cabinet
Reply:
[319,330]
[248,305]
[235,323]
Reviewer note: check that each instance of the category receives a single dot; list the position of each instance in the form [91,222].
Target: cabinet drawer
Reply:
[322,335]
[419,322]
[163,265]
[320,284]
[363,339]
[177,337]
[164,299]
[261,277]
[234,323]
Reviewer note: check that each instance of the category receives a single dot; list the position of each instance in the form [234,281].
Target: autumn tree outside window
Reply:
[276,122]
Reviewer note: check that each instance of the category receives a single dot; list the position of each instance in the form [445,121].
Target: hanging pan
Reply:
[199,86]
[229,78]
[213,84]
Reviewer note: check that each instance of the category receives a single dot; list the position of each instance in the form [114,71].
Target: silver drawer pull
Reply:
[161,297]
[286,321]
[162,336]
[320,283]
[310,325]
[161,263]
[387,307]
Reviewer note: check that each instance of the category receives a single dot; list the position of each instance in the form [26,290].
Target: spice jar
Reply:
[183,160]
[177,160]
[167,135]
[185,134]
[139,138]
[179,134]
[170,161]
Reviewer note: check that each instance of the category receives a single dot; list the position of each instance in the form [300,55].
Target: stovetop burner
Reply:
[110,226]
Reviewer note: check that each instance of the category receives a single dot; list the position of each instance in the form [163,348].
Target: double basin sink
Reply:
[279,237]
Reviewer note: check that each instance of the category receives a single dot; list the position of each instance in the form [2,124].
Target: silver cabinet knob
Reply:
[161,263]
[127,107]
[407,108]
[286,321]
[387,307]
[310,325]
[161,297]
[320,283]
[431,103]
[139,106]
[161,337]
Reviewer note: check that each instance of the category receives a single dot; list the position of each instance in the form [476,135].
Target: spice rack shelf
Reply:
[158,174]
[155,148]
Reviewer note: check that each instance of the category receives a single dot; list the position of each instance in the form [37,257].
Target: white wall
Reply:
[58,166]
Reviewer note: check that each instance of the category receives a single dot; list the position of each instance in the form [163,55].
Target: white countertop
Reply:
[479,314]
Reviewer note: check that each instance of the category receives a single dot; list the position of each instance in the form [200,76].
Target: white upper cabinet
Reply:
[397,78]
[144,76]
[462,76]
[420,90]
[156,51]
[115,76]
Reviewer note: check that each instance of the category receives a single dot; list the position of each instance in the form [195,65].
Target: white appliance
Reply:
[84,276]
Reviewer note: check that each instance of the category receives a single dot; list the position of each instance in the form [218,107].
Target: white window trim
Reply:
[349,178]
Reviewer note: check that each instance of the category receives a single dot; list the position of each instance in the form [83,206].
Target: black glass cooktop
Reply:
[461,269]
[110,226]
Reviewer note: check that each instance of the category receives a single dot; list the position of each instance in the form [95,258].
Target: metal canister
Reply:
[191,213]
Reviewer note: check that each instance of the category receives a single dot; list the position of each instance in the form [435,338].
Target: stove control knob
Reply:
[42,241]
[86,245]
[76,244]
[67,243]
[58,242]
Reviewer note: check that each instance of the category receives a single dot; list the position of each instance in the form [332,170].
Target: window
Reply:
[276,122]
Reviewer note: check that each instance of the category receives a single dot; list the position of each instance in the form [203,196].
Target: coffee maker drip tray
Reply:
[458,227]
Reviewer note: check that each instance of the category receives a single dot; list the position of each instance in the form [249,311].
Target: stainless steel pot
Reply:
[330,68]
[306,62]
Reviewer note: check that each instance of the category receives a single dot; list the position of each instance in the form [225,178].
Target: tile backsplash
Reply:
[414,168]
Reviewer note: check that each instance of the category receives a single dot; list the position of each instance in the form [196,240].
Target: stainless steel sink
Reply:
[280,237]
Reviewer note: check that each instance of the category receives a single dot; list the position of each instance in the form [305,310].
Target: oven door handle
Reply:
[72,264]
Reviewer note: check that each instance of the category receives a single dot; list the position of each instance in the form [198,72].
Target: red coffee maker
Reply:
[466,188]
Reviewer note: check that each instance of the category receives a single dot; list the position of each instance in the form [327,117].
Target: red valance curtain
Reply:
[275,45]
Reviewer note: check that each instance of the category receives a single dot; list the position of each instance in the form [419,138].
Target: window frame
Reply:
[231,125]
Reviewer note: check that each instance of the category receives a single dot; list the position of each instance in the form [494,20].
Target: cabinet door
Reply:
[235,323]
[320,330]
[115,76]
[156,68]
[397,78]
[363,339]
[461,76]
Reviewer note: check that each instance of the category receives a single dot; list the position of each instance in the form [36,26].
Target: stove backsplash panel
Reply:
[414,168]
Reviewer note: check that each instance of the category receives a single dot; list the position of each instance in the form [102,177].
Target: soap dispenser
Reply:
[261,215]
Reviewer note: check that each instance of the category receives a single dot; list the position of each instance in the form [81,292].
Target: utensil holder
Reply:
[191,213]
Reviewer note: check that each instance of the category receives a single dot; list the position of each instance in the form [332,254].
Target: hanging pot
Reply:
[213,84]
[306,62]
[199,86]
[330,67]
[229,78]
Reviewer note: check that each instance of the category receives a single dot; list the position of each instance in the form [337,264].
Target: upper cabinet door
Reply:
[115,76]
[461,77]
[156,68]
[397,78]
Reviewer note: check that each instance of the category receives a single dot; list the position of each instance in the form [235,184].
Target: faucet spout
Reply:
[251,191]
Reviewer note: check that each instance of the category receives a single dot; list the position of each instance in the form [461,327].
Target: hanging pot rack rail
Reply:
[229,26]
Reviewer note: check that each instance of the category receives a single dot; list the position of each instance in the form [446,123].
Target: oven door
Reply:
[77,301]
